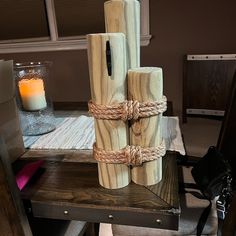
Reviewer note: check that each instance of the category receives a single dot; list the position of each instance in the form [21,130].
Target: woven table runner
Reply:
[79,133]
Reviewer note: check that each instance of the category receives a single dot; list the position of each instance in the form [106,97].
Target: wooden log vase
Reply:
[124,16]
[145,84]
[108,71]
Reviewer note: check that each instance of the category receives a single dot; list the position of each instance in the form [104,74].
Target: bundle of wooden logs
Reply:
[127,101]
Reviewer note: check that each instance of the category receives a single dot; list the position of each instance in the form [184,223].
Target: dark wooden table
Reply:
[69,189]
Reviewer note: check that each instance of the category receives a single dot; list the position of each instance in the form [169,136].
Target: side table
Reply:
[70,190]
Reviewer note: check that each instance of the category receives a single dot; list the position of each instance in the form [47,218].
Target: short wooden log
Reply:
[146,84]
[109,87]
[124,16]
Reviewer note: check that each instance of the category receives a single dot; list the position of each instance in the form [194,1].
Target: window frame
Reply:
[55,43]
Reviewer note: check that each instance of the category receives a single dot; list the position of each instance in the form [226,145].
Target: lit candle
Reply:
[32,94]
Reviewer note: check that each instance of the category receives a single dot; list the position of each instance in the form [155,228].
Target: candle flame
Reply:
[29,87]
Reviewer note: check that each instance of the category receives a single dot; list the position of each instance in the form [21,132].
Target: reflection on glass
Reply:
[77,17]
[23,19]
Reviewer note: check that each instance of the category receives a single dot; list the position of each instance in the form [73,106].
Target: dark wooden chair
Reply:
[191,209]
[227,139]
[206,83]
[227,145]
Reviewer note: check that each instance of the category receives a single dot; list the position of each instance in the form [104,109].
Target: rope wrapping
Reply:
[130,155]
[127,110]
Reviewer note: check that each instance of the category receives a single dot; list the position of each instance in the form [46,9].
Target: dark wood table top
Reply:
[68,188]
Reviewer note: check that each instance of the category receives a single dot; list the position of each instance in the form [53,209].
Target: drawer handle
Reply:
[110,217]
[66,212]
[158,221]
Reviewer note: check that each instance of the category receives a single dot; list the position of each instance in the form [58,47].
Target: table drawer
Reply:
[113,216]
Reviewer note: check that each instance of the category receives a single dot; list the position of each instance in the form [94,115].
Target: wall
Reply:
[182,27]
[178,27]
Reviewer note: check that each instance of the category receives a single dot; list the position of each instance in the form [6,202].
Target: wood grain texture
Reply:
[13,219]
[75,187]
[169,176]
[62,155]
[206,84]
[146,84]
[124,16]
[105,89]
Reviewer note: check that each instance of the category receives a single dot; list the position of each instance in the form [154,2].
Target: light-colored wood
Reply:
[9,117]
[146,84]
[105,89]
[124,16]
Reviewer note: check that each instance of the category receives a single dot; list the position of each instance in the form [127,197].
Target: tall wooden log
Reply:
[109,86]
[146,84]
[124,16]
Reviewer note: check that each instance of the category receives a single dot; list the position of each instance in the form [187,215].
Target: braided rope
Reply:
[127,110]
[130,155]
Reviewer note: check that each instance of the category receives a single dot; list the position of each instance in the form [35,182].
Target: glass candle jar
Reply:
[33,98]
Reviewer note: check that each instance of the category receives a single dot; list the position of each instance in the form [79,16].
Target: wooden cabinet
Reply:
[207,82]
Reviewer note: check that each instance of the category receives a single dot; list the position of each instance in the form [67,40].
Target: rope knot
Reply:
[133,155]
[129,155]
[130,110]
